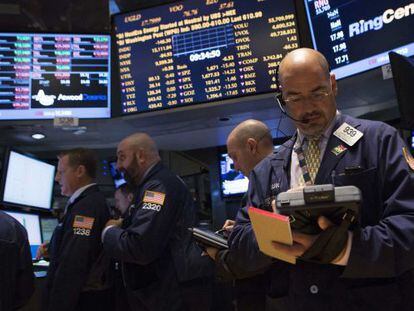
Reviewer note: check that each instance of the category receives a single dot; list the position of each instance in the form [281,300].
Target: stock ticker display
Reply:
[203,50]
[43,76]
[357,35]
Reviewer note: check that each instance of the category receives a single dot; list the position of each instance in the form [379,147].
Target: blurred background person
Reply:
[247,144]
[124,196]
[16,270]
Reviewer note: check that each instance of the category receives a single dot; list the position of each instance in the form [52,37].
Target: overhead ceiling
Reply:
[51,15]
[179,129]
[185,128]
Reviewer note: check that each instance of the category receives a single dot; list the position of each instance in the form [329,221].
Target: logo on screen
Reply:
[321,6]
[378,22]
[48,100]
[43,99]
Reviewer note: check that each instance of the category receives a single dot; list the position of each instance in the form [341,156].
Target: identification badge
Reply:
[348,134]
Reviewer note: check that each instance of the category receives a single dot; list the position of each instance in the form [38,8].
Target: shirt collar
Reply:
[78,192]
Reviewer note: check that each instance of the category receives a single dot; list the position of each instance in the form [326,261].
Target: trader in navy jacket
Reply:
[374,270]
[79,276]
[153,242]
[16,270]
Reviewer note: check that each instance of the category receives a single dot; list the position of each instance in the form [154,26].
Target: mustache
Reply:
[310,115]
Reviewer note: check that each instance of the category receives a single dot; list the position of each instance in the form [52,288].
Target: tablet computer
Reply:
[209,238]
[306,205]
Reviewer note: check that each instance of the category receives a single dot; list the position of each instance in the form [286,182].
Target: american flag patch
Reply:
[154,197]
[83,222]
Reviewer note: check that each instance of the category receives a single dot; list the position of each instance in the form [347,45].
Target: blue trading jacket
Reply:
[379,271]
[75,249]
[154,244]
[16,270]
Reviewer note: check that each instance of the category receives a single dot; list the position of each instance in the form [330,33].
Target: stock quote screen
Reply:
[43,76]
[357,35]
[203,50]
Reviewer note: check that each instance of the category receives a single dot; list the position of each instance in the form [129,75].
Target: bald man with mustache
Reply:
[373,268]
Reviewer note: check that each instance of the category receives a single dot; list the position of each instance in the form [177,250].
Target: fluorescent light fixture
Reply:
[38,136]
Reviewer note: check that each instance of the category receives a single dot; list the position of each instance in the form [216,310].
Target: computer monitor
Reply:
[357,35]
[48,75]
[232,182]
[403,76]
[32,225]
[27,181]
[47,225]
[190,52]
[117,176]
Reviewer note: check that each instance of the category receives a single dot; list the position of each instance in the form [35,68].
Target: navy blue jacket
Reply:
[379,271]
[76,252]
[154,244]
[16,271]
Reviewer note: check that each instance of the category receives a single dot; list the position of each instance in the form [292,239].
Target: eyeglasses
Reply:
[313,97]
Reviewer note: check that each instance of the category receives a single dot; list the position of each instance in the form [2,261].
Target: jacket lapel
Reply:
[330,159]
[283,157]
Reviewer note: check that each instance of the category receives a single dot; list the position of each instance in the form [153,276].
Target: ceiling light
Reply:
[38,136]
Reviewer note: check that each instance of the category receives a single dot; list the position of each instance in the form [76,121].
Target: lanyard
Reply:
[302,164]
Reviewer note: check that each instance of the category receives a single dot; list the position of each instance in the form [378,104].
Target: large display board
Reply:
[43,76]
[357,35]
[201,50]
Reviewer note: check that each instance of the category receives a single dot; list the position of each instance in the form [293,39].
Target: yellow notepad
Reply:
[269,227]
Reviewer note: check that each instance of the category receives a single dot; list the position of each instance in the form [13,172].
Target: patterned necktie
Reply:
[312,156]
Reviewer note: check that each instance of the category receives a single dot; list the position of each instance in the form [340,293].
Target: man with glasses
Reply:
[372,269]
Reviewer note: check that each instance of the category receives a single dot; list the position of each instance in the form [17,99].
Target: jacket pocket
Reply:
[367,182]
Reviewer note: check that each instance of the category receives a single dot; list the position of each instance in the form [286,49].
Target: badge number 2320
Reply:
[82,231]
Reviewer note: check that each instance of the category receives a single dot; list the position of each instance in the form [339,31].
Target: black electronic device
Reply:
[306,205]
[356,36]
[403,76]
[190,52]
[48,75]
[209,238]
